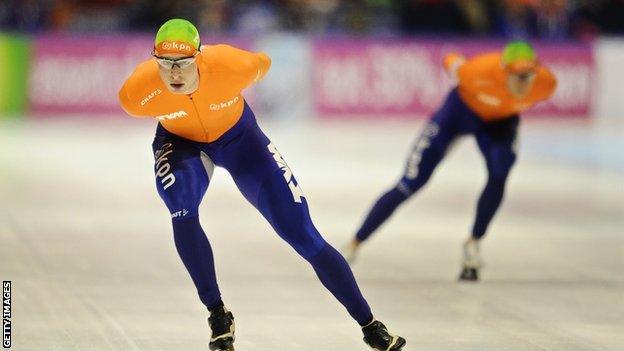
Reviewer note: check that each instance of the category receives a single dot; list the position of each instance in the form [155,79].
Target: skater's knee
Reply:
[184,216]
[313,255]
[499,172]
[500,164]
[301,236]
[407,187]
[307,243]
[181,207]
[183,198]
[181,186]
[416,177]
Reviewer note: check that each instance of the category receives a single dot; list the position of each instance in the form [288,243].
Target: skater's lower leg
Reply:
[196,254]
[425,156]
[335,274]
[488,204]
[383,208]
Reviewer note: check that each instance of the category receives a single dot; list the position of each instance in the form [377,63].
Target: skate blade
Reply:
[398,345]
[227,347]
[469,275]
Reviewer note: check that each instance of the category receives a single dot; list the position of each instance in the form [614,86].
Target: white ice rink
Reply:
[87,243]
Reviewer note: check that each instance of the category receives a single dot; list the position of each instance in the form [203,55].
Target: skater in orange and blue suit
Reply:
[194,92]
[492,90]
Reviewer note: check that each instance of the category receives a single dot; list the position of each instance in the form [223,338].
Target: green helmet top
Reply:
[518,51]
[180,30]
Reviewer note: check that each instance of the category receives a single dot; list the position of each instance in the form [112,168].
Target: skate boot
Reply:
[221,323]
[471,261]
[350,251]
[376,336]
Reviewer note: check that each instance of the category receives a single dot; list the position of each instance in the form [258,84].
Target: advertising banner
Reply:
[406,79]
[82,75]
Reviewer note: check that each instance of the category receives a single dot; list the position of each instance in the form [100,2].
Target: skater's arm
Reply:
[133,95]
[545,83]
[126,102]
[452,62]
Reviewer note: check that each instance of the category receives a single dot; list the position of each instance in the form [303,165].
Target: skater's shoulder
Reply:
[146,70]
[221,55]
[486,60]
[483,67]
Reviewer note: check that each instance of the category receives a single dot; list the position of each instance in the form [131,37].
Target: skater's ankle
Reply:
[371,321]
[215,306]
[471,239]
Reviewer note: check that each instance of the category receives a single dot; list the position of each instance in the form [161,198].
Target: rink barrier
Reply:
[336,78]
[83,74]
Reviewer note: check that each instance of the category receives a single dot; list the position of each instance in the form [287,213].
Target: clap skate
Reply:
[221,323]
[376,336]
[471,262]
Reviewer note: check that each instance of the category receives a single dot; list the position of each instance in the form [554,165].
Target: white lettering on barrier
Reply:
[380,78]
[88,82]
[573,85]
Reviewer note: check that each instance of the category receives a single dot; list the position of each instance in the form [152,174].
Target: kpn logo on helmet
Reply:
[177,46]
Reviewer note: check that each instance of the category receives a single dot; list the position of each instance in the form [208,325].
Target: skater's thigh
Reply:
[268,183]
[251,159]
[431,145]
[445,125]
[182,174]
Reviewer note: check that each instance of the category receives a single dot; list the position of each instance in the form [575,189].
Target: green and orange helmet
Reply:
[177,36]
[519,57]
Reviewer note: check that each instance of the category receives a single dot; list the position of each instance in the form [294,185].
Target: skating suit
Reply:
[214,126]
[480,105]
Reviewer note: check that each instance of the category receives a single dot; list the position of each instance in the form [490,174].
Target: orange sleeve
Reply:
[468,73]
[246,67]
[126,102]
[452,62]
[545,83]
[128,95]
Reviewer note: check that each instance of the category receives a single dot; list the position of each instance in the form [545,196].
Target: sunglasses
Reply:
[525,76]
[169,63]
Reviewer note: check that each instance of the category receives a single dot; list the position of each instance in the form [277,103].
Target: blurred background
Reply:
[45,37]
[549,19]
[87,241]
